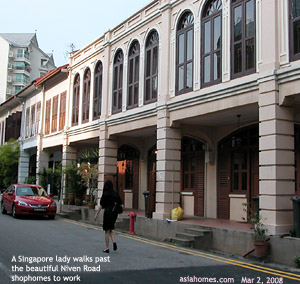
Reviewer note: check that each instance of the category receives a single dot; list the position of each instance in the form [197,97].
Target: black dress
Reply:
[107,203]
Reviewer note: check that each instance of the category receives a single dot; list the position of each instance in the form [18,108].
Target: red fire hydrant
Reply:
[132,216]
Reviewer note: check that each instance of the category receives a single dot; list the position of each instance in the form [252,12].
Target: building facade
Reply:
[21,62]
[195,102]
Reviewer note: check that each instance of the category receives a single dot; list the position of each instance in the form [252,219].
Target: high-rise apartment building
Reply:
[21,61]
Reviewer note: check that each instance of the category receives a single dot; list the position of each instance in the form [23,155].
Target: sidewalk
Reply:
[225,236]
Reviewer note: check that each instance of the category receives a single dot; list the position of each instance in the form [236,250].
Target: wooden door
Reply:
[199,190]
[223,184]
[135,182]
[254,185]
[151,170]
[121,167]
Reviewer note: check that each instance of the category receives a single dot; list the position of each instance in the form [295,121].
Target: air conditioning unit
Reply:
[11,53]
[10,66]
[8,92]
[9,79]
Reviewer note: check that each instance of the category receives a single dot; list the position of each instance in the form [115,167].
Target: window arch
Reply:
[243,51]
[76,93]
[133,75]
[212,42]
[117,82]
[185,54]
[86,96]
[151,67]
[294,29]
[97,90]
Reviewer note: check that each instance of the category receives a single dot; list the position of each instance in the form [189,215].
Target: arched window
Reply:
[86,95]
[97,90]
[242,37]
[151,67]
[294,30]
[133,75]
[75,108]
[185,54]
[212,42]
[117,82]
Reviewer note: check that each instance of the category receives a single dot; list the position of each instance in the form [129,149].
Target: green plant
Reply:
[297,261]
[30,180]
[89,175]
[74,182]
[51,176]
[259,230]
[9,158]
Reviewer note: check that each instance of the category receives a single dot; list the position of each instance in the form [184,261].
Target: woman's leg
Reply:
[112,236]
[107,233]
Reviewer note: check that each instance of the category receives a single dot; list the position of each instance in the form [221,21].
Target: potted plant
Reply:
[93,198]
[259,236]
[74,183]
[89,175]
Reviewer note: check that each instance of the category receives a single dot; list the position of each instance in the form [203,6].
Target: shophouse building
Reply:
[194,101]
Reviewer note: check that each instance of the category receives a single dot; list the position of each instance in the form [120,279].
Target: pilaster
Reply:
[276,160]
[168,166]
[108,150]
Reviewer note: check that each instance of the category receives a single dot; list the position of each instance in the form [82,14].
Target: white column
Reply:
[23,167]
[276,160]
[108,150]
[168,167]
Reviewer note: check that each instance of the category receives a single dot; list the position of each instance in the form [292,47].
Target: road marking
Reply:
[246,265]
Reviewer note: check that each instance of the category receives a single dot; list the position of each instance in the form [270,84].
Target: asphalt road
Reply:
[38,250]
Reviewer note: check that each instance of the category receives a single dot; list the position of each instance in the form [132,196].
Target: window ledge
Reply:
[187,193]
[237,195]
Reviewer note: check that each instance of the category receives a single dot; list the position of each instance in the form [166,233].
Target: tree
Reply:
[9,158]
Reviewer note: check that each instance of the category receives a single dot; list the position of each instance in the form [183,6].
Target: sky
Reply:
[60,23]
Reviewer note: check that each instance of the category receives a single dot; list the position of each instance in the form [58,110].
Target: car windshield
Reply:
[31,191]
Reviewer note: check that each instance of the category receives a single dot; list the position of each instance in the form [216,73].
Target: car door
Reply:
[4,198]
[10,197]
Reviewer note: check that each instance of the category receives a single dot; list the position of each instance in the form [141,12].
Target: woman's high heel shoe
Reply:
[115,246]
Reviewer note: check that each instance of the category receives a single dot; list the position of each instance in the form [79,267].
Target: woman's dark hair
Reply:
[108,188]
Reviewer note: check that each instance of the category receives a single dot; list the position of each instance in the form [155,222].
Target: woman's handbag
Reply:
[117,209]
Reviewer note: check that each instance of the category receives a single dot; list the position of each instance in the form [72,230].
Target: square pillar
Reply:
[23,167]
[107,166]
[276,160]
[168,167]
[42,159]
[69,155]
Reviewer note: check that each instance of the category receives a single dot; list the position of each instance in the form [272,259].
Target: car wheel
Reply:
[3,211]
[13,212]
[51,217]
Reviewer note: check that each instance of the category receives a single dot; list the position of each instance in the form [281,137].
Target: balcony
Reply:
[8,92]
[21,82]
[10,66]
[9,79]
[10,54]
[23,57]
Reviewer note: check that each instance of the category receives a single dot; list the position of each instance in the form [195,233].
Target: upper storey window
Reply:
[133,75]
[86,96]
[117,82]
[98,90]
[212,42]
[76,92]
[295,29]
[151,67]
[185,52]
[242,37]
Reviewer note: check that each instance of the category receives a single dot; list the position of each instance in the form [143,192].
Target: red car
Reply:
[27,199]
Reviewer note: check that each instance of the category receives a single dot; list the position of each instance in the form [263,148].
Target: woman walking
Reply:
[108,200]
